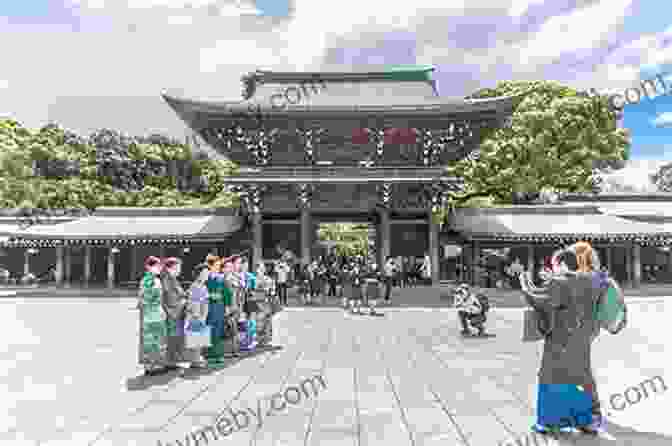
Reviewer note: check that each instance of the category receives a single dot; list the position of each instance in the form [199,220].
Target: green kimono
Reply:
[153,332]
[220,302]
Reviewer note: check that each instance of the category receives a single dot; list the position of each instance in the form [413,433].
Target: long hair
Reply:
[211,260]
[586,257]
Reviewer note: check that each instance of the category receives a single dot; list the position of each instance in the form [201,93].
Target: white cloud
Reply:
[663,120]
[4,84]
[635,177]
[518,7]
[203,46]
[580,29]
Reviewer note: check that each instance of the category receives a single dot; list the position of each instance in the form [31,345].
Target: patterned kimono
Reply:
[220,299]
[153,330]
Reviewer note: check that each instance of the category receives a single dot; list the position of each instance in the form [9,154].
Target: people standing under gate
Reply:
[405,268]
[389,273]
[303,279]
[356,289]
[174,300]
[282,270]
[332,278]
[426,270]
[152,348]
[313,277]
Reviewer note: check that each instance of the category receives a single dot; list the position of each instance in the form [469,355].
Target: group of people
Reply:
[217,299]
[342,277]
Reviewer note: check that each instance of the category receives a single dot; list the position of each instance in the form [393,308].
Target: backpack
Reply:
[609,309]
[484,301]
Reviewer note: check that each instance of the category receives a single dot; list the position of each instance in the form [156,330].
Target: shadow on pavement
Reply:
[143,382]
[623,436]
[194,374]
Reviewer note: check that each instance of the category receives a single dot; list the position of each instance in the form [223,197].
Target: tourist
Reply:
[426,270]
[566,383]
[282,270]
[405,269]
[356,288]
[152,348]
[220,296]
[389,271]
[231,267]
[372,288]
[514,271]
[174,300]
[332,278]
[313,277]
[197,310]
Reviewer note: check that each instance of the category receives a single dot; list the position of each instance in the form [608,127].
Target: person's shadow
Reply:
[143,382]
[622,436]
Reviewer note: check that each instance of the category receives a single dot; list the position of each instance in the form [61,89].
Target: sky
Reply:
[88,64]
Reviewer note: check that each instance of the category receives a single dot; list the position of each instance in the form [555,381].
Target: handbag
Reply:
[196,335]
[532,323]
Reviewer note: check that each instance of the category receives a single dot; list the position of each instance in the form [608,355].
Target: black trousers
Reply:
[464,316]
[332,288]
[282,293]
[388,287]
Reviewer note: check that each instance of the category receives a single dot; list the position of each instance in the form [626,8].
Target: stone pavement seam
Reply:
[217,415]
[355,383]
[462,436]
[443,365]
[316,403]
[404,417]
[266,358]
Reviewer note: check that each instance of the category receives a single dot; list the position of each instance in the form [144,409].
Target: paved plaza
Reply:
[70,377]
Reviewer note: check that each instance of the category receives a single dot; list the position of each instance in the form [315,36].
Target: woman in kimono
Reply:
[174,300]
[567,394]
[197,310]
[152,348]
[219,297]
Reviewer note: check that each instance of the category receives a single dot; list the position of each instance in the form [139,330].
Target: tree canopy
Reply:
[662,179]
[138,171]
[348,239]
[559,140]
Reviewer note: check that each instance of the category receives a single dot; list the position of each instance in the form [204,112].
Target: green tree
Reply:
[663,178]
[556,139]
[348,239]
[19,188]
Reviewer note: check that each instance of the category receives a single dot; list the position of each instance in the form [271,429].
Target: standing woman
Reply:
[152,348]
[174,300]
[197,310]
[218,296]
[567,395]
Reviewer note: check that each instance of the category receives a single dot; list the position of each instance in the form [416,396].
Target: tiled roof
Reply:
[136,229]
[541,223]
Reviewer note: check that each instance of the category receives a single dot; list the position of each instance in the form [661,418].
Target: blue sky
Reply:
[650,120]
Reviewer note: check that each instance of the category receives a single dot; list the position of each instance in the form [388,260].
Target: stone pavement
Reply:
[407,378]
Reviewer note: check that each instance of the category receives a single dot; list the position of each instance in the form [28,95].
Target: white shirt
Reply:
[283,272]
[390,268]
